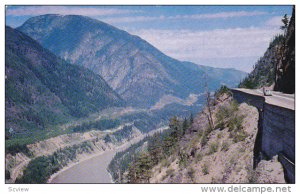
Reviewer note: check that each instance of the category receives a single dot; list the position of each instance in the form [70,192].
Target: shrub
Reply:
[165,163]
[225,146]
[222,90]
[219,136]
[107,139]
[37,171]
[204,140]
[251,175]
[225,113]
[205,169]
[239,136]
[191,173]
[183,159]
[170,172]
[199,157]
[235,123]
[16,148]
[213,147]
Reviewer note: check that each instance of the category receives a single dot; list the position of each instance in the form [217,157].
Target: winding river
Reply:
[89,171]
[94,170]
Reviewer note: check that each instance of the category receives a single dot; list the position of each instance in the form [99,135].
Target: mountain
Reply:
[139,72]
[285,71]
[191,151]
[276,69]
[42,89]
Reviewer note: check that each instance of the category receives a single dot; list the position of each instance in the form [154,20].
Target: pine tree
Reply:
[185,126]
[285,21]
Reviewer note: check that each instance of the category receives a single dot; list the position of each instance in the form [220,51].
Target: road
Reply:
[277,98]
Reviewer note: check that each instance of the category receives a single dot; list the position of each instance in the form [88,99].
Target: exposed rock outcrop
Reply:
[285,71]
[276,69]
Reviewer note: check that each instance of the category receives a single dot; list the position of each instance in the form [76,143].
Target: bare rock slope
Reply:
[220,155]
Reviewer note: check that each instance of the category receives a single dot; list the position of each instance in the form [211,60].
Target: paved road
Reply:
[277,98]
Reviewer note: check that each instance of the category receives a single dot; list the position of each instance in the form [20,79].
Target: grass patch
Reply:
[238,135]
[205,169]
[213,147]
[225,146]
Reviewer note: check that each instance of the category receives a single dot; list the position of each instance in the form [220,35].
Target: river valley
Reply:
[94,169]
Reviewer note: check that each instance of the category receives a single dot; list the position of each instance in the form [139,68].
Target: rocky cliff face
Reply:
[264,70]
[42,89]
[139,72]
[276,69]
[202,150]
[285,71]
[221,155]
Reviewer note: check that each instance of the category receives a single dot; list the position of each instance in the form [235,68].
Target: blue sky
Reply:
[219,36]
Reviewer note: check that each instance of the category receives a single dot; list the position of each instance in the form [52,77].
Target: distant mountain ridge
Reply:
[139,72]
[42,89]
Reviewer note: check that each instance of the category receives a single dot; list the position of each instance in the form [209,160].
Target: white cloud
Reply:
[274,21]
[221,15]
[64,10]
[131,19]
[197,46]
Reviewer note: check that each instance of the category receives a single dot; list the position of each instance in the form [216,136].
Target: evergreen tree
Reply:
[185,126]
[285,21]
[191,119]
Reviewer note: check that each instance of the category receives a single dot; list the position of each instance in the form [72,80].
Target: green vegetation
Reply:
[102,124]
[235,122]
[191,173]
[279,38]
[170,172]
[159,149]
[226,116]
[183,159]
[124,133]
[249,83]
[121,160]
[264,70]
[43,91]
[205,169]
[213,147]
[7,175]
[222,90]
[239,135]
[137,162]
[41,168]
[225,146]
[16,148]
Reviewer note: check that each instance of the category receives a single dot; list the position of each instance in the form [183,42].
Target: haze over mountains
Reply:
[42,89]
[136,70]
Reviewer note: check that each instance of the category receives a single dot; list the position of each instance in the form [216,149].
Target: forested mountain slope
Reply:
[139,72]
[42,89]
[276,69]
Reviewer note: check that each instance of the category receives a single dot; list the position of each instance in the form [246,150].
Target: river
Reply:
[94,170]
[88,171]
